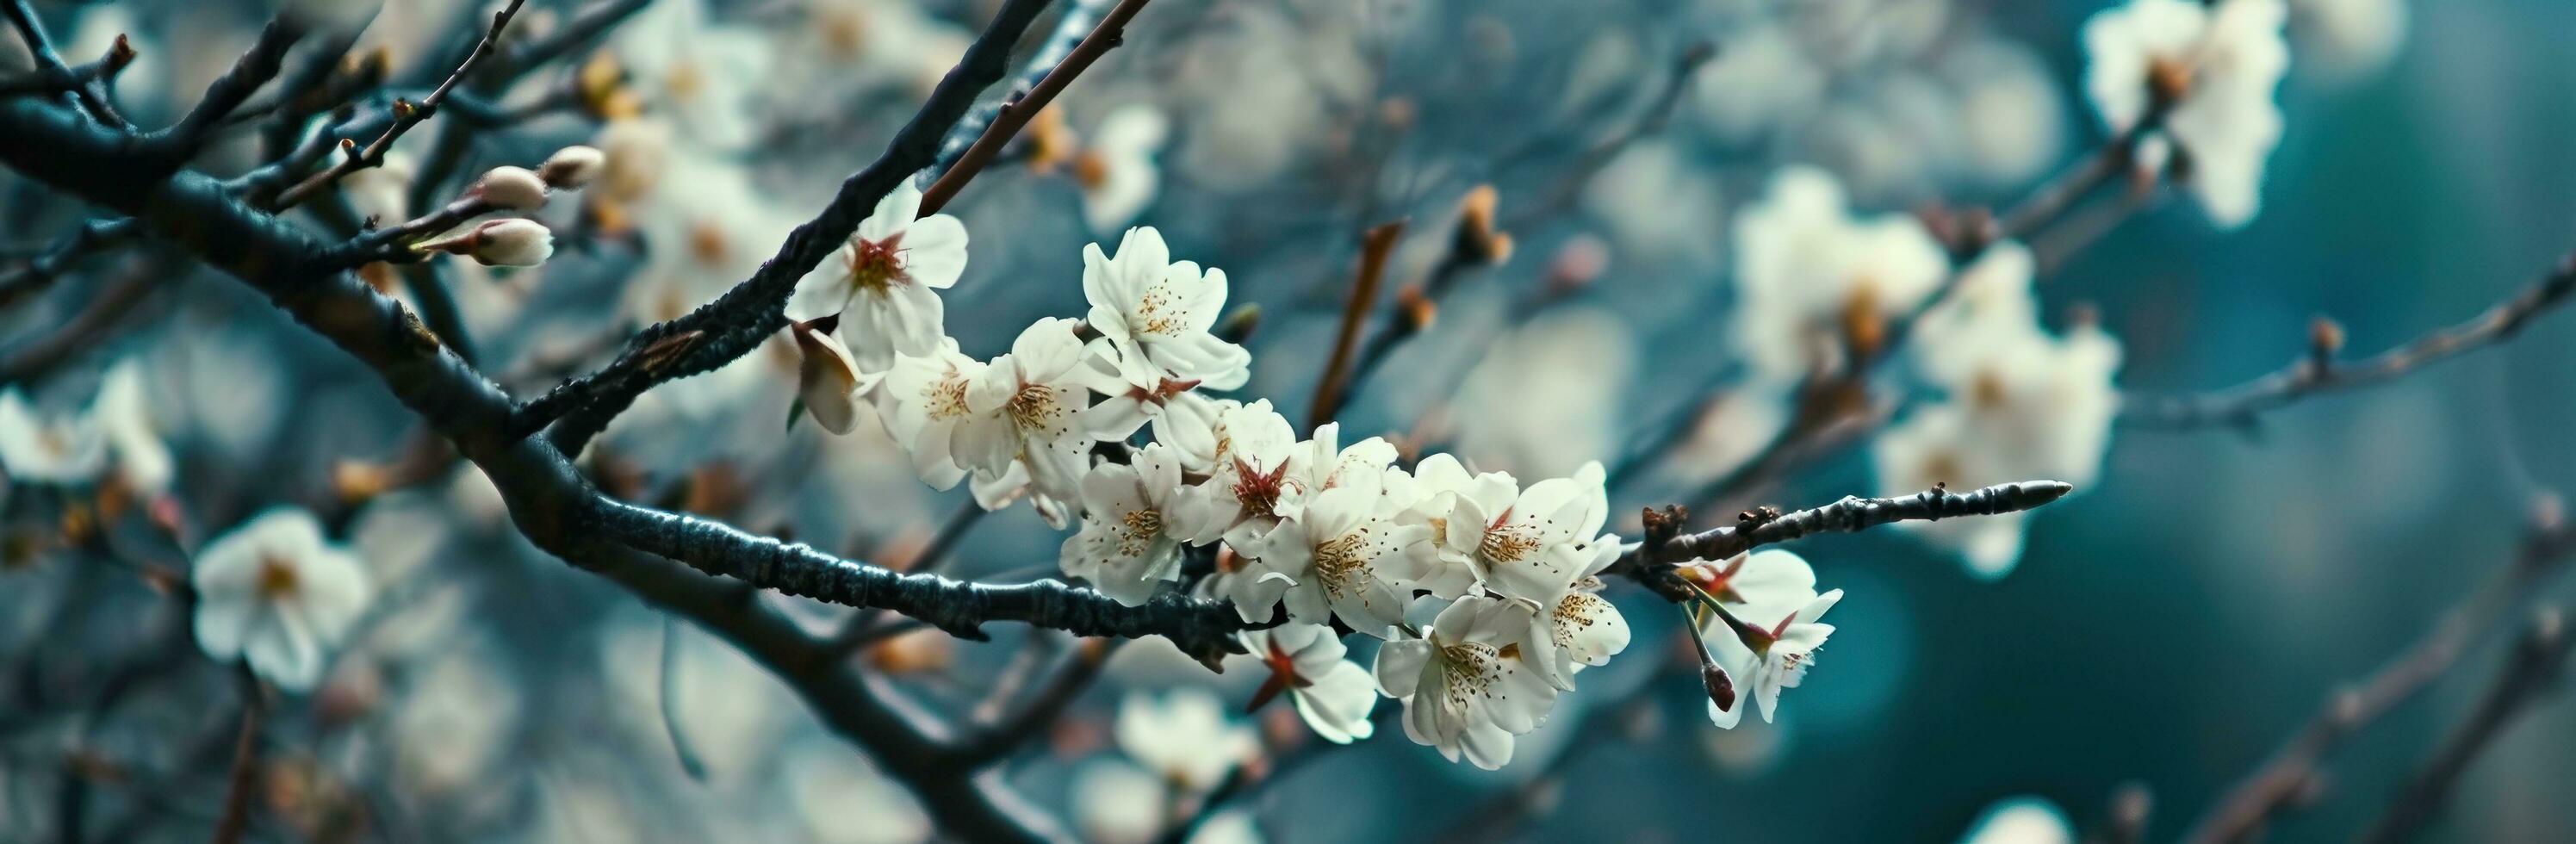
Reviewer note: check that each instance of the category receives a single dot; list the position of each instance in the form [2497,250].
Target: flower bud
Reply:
[1721,688]
[572,167]
[513,188]
[513,242]
[828,380]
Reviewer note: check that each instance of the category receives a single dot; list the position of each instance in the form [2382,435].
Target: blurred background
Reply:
[2169,626]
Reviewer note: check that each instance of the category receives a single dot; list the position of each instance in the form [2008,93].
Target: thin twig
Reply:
[406,116]
[1017,112]
[2531,672]
[745,316]
[46,80]
[1375,245]
[2242,812]
[2244,404]
[241,784]
[89,93]
[1651,562]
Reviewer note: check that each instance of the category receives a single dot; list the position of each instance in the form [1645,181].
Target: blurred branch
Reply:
[91,238]
[2241,813]
[1652,121]
[1375,245]
[243,780]
[254,68]
[2243,405]
[735,323]
[2530,673]
[1016,111]
[36,355]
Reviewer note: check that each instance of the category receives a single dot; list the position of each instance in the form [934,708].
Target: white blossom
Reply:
[1326,561]
[1116,171]
[1249,489]
[927,395]
[1334,695]
[2020,820]
[2220,63]
[65,449]
[2347,41]
[2020,404]
[1580,627]
[1023,409]
[275,593]
[1512,546]
[1778,643]
[702,74]
[1815,280]
[881,281]
[1462,693]
[828,380]
[1151,306]
[1135,518]
[1184,736]
[1430,496]
[124,413]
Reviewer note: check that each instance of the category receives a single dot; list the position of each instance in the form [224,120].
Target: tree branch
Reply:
[1651,562]
[2243,405]
[1375,245]
[2243,811]
[2530,674]
[735,323]
[406,115]
[1016,112]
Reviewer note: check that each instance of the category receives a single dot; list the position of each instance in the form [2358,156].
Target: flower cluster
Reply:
[1309,531]
[2210,69]
[1822,286]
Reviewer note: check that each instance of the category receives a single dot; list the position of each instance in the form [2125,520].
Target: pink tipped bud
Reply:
[514,188]
[572,167]
[499,243]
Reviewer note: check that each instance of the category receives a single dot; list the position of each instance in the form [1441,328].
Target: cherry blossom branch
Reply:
[2243,405]
[737,322]
[1375,245]
[2531,673]
[2242,812]
[1650,562]
[406,116]
[1070,30]
[1016,111]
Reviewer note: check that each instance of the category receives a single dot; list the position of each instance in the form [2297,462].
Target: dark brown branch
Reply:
[1651,562]
[2242,812]
[2530,673]
[2244,404]
[1375,245]
[1017,112]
